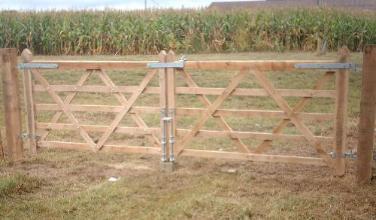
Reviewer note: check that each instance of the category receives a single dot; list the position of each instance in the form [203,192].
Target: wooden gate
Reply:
[287,113]
[168,87]
[64,106]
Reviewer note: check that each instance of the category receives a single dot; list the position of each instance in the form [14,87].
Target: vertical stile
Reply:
[29,103]
[12,109]
[342,87]
[163,105]
[171,102]
[367,116]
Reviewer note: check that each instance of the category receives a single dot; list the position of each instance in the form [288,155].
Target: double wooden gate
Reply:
[164,83]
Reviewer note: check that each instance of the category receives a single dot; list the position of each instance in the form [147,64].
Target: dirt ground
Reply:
[72,184]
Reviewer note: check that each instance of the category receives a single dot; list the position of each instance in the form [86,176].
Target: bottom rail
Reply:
[191,152]
[254,157]
[106,148]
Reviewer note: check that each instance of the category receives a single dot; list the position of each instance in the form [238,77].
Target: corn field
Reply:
[187,31]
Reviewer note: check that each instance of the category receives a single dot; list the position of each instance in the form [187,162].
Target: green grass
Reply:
[75,187]
[14,184]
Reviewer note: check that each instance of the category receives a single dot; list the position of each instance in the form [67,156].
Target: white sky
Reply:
[99,4]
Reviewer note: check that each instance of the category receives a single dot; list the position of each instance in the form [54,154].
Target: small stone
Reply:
[113,179]
[232,171]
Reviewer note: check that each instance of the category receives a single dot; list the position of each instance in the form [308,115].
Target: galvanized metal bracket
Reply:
[349,154]
[24,66]
[177,64]
[27,136]
[328,66]
[166,119]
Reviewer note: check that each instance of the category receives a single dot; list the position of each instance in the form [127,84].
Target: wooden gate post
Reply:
[29,103]
[163,106]
[342,88]
[171,100]
[12,110]
[367,116]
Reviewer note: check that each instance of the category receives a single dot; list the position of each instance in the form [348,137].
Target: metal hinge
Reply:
[329,66]
[24,66]
[177,64]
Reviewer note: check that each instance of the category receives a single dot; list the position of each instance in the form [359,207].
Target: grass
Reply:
[77,188]
[17,184]
[61,184]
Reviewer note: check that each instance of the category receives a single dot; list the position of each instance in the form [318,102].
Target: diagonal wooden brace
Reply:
[67,101]
[211,110]
[265,83]
[297,108]
[125,109]
[122,100]
[63,107]
[191,83]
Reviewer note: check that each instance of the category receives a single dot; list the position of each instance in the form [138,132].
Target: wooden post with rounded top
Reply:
[171,100]
[12,111]
[27,57]
[163,106]
[367,116]
[342,88]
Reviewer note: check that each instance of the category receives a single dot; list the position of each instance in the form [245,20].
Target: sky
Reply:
[99,4]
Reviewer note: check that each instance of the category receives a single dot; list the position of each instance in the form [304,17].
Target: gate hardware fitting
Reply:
[24,66]
[349,154]
[165,120]
[168,115]
[172,138]
[26,136]
[177,64]
[330,66]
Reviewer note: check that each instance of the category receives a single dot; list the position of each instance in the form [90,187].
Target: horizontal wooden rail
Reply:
[188,111]
[191,91]
[134,131]
[106,148]
[254,157]
[261,65]
[190,152]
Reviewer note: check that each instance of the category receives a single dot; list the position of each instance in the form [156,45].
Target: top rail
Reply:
[261,65]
